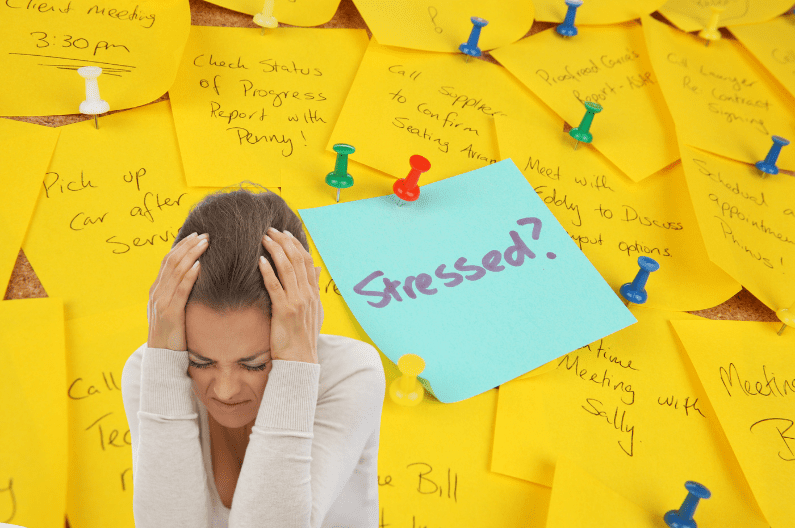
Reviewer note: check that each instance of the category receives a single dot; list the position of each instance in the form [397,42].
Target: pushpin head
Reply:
[407,188]
[339,177]
[711,32]
[768,165]
[265,19]
[567,28]
[406,390]
[634,291]
[683,517]
[786,316]
[269,22]
[582,133]
[470,47]
[93,105]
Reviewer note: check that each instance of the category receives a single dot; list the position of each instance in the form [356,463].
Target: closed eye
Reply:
[247,367]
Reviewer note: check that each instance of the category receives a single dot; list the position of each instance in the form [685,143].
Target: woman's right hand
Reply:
[169,293]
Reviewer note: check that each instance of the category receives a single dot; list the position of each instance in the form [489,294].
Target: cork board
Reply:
[24,283]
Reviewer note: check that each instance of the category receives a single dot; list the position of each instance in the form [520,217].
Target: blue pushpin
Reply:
[470,47]
[634,291]
[768,165]
[683,517]
[567,28]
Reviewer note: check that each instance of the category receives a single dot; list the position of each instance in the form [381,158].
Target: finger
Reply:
[184,287]
[179,264]
[296,253]
[284,267]
[272,284]
[308,262]
[182,243]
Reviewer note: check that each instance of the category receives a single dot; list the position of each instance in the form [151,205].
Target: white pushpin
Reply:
[266,18]
[93,105]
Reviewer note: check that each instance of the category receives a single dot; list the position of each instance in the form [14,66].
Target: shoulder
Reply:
[336,351]
[131,373]
[345,360]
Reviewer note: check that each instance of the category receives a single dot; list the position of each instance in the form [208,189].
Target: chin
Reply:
[232,420]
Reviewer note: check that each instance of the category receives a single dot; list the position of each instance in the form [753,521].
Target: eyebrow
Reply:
[249,358]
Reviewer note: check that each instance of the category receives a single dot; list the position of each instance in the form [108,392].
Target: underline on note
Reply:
[75,68]
[69,58]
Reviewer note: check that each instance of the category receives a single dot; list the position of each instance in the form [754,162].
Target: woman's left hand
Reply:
[295,301]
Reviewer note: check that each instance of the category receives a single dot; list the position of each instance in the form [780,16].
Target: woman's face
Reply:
[229,361]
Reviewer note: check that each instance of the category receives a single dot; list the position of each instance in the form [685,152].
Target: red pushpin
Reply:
[406,188]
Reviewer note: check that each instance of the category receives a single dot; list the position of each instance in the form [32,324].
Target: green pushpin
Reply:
[339,177]
[581,133]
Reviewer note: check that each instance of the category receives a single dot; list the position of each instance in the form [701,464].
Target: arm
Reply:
[170,483]
[303,450]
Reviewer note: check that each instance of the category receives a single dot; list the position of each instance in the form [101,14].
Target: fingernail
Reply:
[272,230]
[269,239]
[288,233]
[192,235]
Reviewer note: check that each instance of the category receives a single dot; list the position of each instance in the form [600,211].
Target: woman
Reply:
[282,424]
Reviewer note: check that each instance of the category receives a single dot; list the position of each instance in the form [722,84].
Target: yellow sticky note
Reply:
[433,467]
[748,373]
[293,12]
[109,208]
[137,43]
[100,453]
[693,15]
[337,317]
[597,13]
[614,220]
[748,223]
[608,66]
[251,105]
[598,506]
[629,410]
[773,44]
[26,152]
[406,102]
[721,99]
[443,25]
[33,437]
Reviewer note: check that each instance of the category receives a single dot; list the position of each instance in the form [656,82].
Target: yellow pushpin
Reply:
[266,18]
[406,390]
[711,32]
[787,316]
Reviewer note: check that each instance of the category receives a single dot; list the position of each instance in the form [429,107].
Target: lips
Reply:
[231,405]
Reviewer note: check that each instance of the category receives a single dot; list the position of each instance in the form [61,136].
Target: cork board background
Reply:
[24,283]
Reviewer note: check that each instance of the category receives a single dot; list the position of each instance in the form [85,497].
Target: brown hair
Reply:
[229,275]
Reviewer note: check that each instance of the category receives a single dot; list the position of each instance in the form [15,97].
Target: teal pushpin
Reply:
[581,133]
[768,164]
[567,28]
[339,177]
[470,47]
[634,291]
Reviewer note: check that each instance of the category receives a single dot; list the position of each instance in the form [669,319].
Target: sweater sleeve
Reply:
[302,449]
[170,482]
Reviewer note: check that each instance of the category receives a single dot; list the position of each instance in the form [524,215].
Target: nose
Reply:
[226,387]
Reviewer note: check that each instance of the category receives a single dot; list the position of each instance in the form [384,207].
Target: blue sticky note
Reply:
[476,276]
